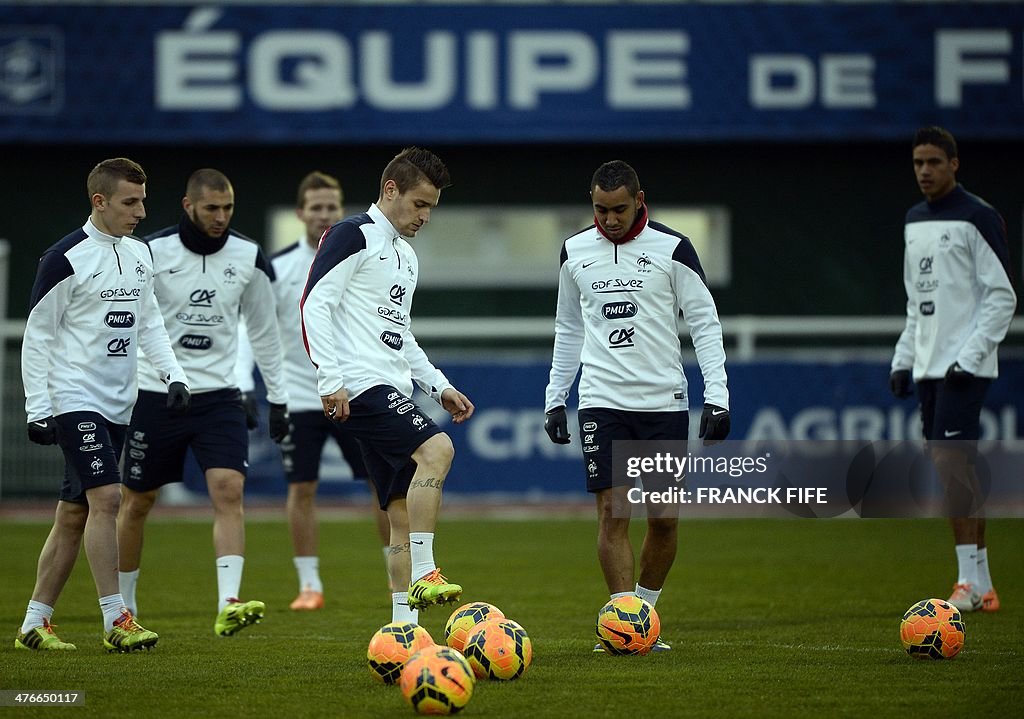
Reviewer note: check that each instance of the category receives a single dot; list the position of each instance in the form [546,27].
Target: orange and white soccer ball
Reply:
[391,646]
[437,680]
[463,619]
[628,625]
[499,649]
[932,629]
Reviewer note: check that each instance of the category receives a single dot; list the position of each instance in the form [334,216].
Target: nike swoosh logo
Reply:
[43,424]
[223,566]
[382,258]
[952,434]
[588,264]
[97,274]
[415,542]
[716,412]
[171,272]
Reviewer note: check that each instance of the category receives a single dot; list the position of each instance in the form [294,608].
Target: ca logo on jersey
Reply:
[202,298]
[118,347]
[621,338]
[397,294]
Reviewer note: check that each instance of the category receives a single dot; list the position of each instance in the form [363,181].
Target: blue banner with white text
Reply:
[508,73]
[503,450]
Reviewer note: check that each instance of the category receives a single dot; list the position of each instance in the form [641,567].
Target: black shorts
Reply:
[302,448]
[214,428]
[92,450]
[389,427]
[599,427]
[952,413]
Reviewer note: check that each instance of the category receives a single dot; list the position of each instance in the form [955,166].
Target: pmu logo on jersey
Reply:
[119,320]
[196,342]
[621,338]
[202,298]
[589,426]
[928,308]
[118,347]
[397,294]
[925,265]
[619,310]
[392,340]
[643,263]
[31,70]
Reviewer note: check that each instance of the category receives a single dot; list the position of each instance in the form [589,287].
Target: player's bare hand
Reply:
[336,405]
[457,404]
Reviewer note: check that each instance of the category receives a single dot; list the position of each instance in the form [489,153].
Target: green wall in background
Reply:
[817,228]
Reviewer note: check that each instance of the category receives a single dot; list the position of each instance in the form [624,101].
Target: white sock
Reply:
[126,582]
[648,595]
[984,578]
[112,605]
[967,561]
[421,546]
[400,609]
[229,578]
[309,573]
[35,615]
[623,594]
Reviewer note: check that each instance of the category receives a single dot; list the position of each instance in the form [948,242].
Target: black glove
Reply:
[279,425]
[556,424]
[900,384]
[714,424]
[178,398]
[252,411]
[957,377]
[43,431]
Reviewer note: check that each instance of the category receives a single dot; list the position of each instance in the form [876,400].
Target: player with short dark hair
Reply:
[960,302]
[319,206]
[92,308]
[356,323]
[623,282]
[208,277]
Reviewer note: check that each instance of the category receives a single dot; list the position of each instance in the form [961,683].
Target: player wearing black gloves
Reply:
[960,302]
[622,284]
[208,277]
[92,308]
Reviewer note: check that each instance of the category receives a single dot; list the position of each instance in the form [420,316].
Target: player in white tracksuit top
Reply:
[92,307]
[622,285]
[357,329]
[319,206]
[960,302]
[207,276]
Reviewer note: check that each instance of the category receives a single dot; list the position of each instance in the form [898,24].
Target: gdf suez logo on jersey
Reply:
[118,347]
[397,294]
[621,338]
[202,298]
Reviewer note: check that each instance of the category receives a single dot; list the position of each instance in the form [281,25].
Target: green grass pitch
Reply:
[768,618]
